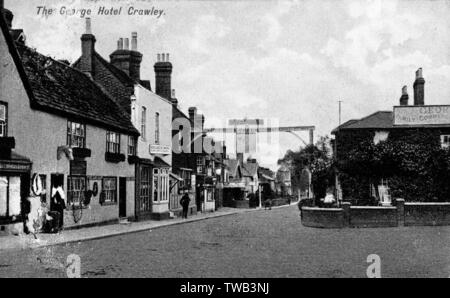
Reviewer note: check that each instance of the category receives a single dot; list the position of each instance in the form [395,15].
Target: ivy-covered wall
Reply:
[412,160]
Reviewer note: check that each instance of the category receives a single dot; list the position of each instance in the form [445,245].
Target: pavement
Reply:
[23,242]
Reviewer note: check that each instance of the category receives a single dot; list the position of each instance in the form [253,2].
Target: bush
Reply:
[413,161]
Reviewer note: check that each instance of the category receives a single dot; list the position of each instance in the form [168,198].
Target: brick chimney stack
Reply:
[419,89]
[163,79]
[87,49]
[192,114]
[174,99]
[126,59]
[404,98]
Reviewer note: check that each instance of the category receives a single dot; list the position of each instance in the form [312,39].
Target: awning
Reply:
[176,177]
[160,163]
[267,177]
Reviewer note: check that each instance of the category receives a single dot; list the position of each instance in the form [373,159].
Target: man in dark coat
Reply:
[185,200]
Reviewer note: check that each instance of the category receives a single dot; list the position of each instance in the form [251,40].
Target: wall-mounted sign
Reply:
[160,149]
[422,115]
[14,167]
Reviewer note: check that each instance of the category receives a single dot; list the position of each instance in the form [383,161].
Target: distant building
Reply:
[283,181]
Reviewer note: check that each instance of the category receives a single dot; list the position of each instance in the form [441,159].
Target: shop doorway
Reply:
[122,197]
[56,180]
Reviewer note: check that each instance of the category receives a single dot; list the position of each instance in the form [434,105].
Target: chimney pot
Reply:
[134,41]
[167,57]
[419,73]
[127,44]
[88,26]
[158,57]
[163,57]
[419,89]
[404,98]
[173,93]
[120,44]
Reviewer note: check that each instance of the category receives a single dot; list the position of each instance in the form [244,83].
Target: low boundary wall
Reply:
[404,214]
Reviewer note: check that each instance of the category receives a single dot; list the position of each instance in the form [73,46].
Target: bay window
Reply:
[10,196]
[161,184]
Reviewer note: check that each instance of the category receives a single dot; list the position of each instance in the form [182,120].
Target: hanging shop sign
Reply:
[422,115]
[160,149]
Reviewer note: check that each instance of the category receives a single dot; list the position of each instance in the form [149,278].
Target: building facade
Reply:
[395,154]
[71,133]
[151,114]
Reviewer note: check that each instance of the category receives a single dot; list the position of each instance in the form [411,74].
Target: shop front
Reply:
[14,191]
[153,189]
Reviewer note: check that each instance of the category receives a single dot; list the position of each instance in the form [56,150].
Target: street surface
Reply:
[258,244]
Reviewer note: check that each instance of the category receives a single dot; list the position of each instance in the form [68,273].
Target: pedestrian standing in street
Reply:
[58,205]
[185,200]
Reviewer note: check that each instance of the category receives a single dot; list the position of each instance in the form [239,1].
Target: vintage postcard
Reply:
[224,139]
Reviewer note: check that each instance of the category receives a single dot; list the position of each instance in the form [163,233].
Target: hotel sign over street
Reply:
[422,115]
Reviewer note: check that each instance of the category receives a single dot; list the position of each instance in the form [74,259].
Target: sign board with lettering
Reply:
[14,167]
[160,149]
[422,115]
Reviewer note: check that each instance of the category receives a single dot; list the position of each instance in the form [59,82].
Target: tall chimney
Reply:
[404,98]
[174,99]
[192,114]
[87,49]
[163,73]
[419,89]
[134,41]
[129,61]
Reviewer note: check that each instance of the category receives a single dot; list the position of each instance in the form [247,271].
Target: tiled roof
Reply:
[233,165]
[250,169]
[125,79]
[61,89]
[378,120]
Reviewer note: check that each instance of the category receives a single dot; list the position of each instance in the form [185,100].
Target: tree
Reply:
[316,158]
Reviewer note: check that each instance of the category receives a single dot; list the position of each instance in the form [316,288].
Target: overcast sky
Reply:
[289,60]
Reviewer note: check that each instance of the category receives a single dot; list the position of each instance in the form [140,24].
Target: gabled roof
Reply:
[233,166]
[125,79]
[377,120]
[250,169]
[60,89]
